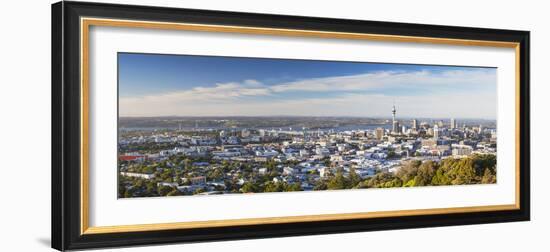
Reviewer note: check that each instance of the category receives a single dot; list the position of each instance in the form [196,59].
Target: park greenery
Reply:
[474,169]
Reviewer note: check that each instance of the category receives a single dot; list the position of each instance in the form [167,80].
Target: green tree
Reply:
[410,183]
[441,178]
[151,188]
[293,187]
[187,163]
[320,185]
[149,169]
[129,193]
[463,172]
[216,174]
[483,162]
[354,178]
[326,162]
[337,182]
[396,182]
[273,187]
[488,177]
[383,180]
[425,173]
[408,170]
[164,190]
[121,187]
[174,192]
[271,165]
[249,187]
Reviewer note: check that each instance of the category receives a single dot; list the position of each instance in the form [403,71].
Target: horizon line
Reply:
[306,116]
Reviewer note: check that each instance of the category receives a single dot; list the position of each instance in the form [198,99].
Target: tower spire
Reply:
[395,123]
[393,111]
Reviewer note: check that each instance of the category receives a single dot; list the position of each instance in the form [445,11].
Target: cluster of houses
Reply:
[303,156]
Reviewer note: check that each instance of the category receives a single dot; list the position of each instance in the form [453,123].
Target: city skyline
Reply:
[175,85]
[241,156]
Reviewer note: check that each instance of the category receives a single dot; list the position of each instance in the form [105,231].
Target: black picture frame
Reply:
[66,156]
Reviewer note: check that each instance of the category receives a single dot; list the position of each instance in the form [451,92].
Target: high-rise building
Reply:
[453,123]
[436,132]
[415,124]
[396,129]
[379,133]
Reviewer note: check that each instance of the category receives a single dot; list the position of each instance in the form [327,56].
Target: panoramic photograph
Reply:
[211,125]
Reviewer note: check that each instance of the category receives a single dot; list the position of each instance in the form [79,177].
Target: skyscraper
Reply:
[415,124]
[436,132]
[379,133]
[453,123]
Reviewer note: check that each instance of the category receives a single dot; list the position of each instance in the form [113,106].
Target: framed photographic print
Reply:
[180,125]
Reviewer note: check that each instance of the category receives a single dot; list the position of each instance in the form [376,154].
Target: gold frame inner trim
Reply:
[86,23]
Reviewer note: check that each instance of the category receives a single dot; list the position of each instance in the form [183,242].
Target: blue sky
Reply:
[181,85]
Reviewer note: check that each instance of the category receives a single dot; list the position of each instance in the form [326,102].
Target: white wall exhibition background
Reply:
[107,210]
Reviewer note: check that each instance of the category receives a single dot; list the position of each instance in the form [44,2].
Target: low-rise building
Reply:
[138,175]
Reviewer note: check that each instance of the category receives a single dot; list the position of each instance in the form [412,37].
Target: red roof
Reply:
[130,158]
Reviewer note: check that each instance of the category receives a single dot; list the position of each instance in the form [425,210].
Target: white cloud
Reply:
[233,98]
[220,92]
[388,79]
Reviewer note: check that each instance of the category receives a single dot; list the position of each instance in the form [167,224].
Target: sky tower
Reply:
[395,123]
[393,113]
